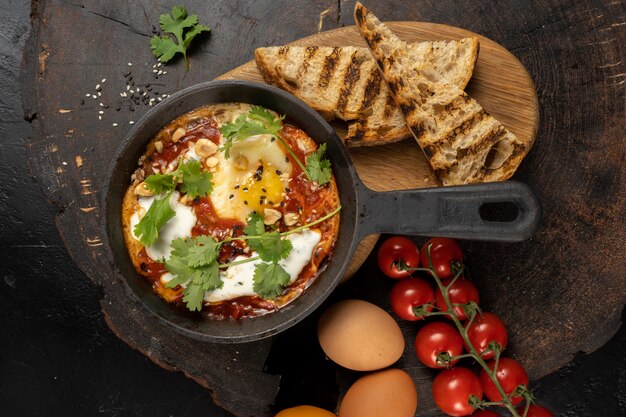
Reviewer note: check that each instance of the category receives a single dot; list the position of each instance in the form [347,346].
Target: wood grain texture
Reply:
[559,293]
[500,83]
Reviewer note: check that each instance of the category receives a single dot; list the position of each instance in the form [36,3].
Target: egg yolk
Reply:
[263,192]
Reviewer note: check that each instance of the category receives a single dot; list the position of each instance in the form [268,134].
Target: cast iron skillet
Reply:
[450,211]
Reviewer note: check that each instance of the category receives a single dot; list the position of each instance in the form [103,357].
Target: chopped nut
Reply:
[241,163]
[205,148]
[142,190]
[291,218]
[159,146]
[271,216]
[178,133]
[184,199]
[211,162]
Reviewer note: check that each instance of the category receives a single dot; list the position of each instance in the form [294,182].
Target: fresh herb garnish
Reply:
[157,215]
[318,168]
[260,121]
[193,263]
[269,280]
[183,27]
[195,182]
[269,245]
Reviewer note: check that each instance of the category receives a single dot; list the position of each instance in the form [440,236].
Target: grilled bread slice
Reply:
[345,82]
[462,142]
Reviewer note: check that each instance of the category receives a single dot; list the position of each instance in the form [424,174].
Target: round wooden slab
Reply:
[500,83]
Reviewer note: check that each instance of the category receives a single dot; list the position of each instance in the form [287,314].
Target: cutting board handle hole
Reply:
[501,211]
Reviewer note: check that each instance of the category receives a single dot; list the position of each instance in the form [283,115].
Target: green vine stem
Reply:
[506,401]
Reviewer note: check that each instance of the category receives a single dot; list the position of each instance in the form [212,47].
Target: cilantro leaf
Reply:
[269,280]
[193,263]
[258,121]
[318,168]
[271,247]
[164,48]
[255,226]
[203,254]
[193,295]
[184,28]
[209,277]
[195,181]
[160,183]
[158,214]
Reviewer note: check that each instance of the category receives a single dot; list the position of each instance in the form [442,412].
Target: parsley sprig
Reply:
[195,181]
[259,121]
[159,213]
[184,27]
[193,263]
[195,266]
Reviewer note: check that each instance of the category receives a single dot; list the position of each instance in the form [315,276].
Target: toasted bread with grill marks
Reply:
[345,82]
[462,142]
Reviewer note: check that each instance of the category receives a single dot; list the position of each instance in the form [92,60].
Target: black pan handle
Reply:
[449,212]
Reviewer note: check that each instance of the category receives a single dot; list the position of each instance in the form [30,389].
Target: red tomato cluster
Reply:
[437,344]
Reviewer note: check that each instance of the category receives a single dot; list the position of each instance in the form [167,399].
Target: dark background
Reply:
[58,357]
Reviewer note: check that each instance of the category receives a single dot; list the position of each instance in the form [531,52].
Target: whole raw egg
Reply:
[359,335]
[305,411]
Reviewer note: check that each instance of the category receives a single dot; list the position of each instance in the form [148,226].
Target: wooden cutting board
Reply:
[500,84]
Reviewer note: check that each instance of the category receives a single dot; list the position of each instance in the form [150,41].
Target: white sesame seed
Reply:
[64,163]
[99,117]
[114,124]
[99,93]
[155,71]
[97,86]
[160,72]
[130,64]
[131,122]
[87,95]
[144,93]
[94,96]
[101,104]
[159,64]
[121,94]
[101,112]
[164,72]
[132,91]
[104,80]
[159,99]
[154,66]
[127,87]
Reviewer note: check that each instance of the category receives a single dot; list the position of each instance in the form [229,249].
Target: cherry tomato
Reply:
[443,252]
[463,291]
[305,411]
[485,413]
[452,389]
[486,328]
[435,338]
[409,293]
[510,374]
[396,249]
[535,411]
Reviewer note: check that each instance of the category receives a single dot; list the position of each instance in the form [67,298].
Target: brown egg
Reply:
[388,393]
[359,335]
